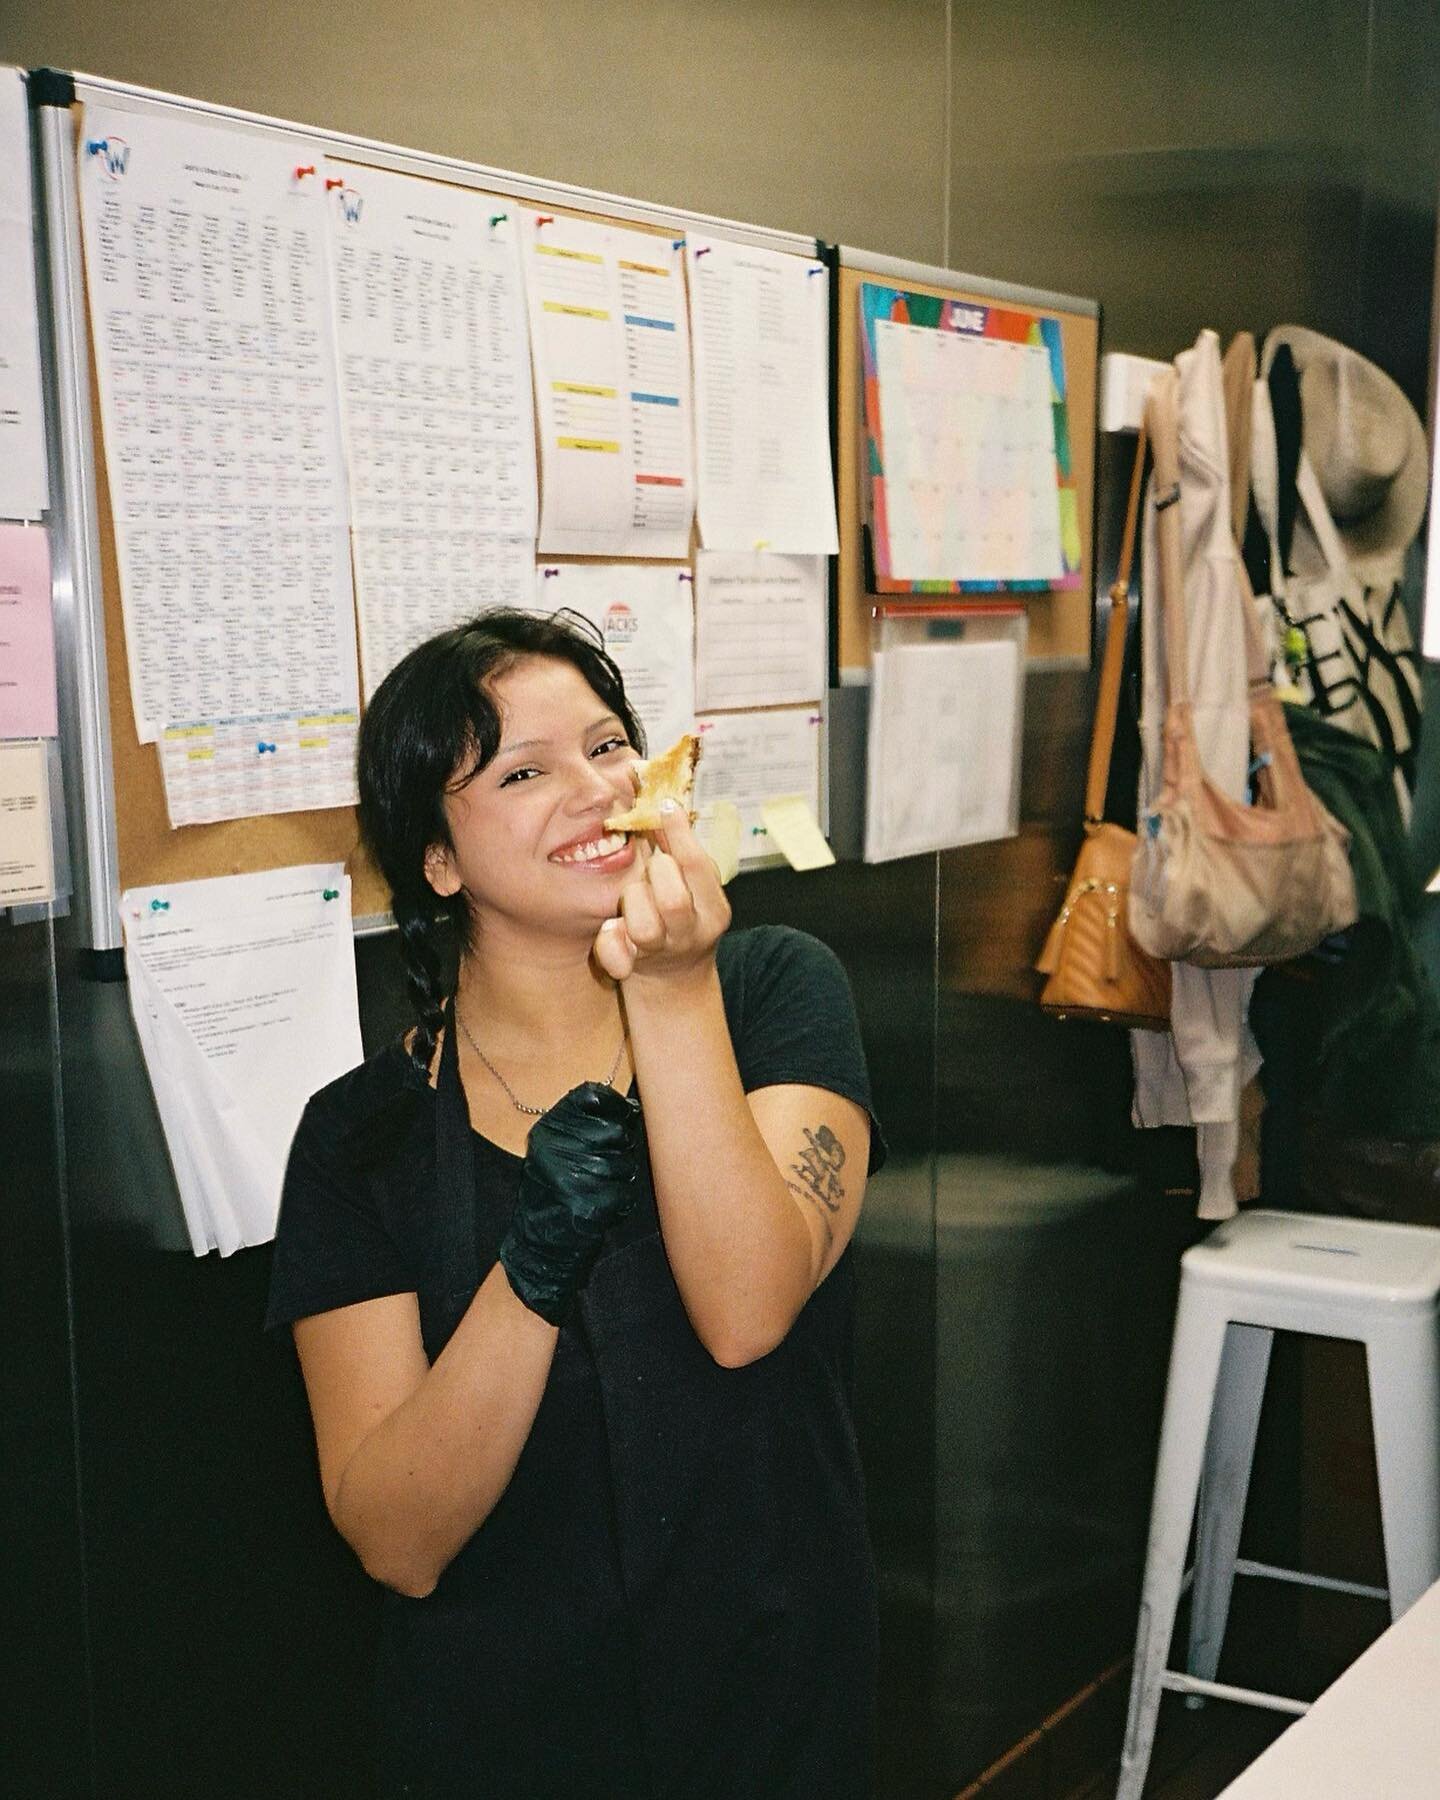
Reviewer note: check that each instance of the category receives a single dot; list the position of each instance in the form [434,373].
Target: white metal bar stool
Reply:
[1257,1274]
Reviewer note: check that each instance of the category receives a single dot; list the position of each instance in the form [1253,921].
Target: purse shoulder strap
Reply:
[1162,421]
[1107,698]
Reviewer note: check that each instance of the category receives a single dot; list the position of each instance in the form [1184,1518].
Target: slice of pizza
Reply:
[670,776]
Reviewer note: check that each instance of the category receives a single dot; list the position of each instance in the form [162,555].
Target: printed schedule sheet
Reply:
[611,352]
[209,294]
[435,385]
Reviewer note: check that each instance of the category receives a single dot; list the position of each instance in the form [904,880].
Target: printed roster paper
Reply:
[942,768]
[435,389]
[27,861]
[27,636]
[762,399]
[760,626]
[610,345]
[209,299]
[243,993]
[753,759]
[217,769]
[24,487]
[646,617]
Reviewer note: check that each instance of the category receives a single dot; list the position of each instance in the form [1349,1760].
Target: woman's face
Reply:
[528,837]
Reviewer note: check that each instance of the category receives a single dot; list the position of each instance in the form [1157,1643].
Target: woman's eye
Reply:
[516,775]
[608,745]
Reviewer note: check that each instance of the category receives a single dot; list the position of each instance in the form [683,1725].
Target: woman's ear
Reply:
[440,871]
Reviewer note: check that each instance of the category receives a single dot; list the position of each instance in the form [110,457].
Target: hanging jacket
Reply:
[1194,1075]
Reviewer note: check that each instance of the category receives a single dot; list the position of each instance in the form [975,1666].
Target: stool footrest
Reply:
[1221,1690]
[1244,1566]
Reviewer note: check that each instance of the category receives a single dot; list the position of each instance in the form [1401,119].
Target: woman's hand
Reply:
[672,913]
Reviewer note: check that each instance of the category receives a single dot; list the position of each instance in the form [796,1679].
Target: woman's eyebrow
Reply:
[542,743]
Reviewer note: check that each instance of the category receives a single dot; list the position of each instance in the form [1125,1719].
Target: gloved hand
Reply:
[580,1176]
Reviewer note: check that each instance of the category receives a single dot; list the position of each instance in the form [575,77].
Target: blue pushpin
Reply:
[96,146]
[262,747]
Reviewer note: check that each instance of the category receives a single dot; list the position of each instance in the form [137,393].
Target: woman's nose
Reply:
[598,787]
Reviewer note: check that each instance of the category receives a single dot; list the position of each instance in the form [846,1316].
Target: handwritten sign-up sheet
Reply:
[435,391]
[209,293]
[759,629]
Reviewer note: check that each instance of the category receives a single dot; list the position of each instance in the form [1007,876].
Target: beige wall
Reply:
[823,116]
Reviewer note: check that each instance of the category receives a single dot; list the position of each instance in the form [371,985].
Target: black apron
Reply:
[674,1599]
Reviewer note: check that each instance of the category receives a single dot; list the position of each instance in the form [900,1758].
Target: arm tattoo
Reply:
[804,1194]
[817,1169]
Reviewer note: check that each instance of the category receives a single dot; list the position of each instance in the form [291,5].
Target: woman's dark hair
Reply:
[431,727]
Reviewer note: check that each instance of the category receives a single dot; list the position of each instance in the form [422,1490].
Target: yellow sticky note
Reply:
[719,833]
[796,834]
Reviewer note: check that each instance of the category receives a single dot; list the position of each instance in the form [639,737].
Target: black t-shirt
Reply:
[345,1236]
[674,1596]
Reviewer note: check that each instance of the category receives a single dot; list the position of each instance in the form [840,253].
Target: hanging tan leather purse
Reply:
[1217,882]
[1096,969]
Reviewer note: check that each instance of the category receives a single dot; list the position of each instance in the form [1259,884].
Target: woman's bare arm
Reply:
[414,1457]
[759,1195]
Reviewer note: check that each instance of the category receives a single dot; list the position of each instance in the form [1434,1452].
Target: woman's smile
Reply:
[600,855]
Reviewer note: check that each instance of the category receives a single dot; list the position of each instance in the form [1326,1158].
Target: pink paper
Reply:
[27,637]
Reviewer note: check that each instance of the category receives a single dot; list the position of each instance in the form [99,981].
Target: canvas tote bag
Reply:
[1095,968]
[1359,668]
[1216,882]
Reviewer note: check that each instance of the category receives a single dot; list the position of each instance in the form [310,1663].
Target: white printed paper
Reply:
[27,634]
[759,629]
[761,327]
[754,758]
[970,486]
[210,306]
[27,860]
[610,345]
[24,489]
[243,992]
[941,761]
[435,389]
[237,768]
[646,617]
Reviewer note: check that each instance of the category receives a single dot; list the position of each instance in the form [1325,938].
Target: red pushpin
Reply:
[300,174]
[331,181]
[543,219]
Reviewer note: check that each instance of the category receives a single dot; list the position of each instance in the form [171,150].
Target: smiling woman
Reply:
[569,1277]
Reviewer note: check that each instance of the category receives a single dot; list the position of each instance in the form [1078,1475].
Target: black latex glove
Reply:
[581,1175]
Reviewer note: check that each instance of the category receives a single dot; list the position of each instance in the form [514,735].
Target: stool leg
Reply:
[1403,1362]
[1224,1484]
[1189,1396]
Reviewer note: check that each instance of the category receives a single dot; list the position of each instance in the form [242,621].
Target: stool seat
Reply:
[1347,1262]
[1260,1273]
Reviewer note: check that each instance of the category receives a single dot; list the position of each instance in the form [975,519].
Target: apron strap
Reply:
[455,1171]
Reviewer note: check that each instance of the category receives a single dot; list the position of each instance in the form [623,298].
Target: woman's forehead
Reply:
[540,695]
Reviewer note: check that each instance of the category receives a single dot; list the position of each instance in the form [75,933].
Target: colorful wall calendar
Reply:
[969,482]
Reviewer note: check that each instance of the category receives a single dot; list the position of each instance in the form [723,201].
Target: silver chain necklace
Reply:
[534,1112]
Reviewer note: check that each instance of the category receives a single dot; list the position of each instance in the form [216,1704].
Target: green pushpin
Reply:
[330,894]
[1296,644]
